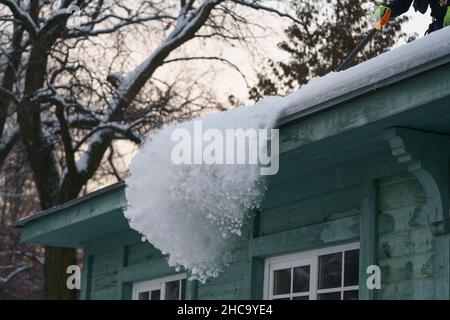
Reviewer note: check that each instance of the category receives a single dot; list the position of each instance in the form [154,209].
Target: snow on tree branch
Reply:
[20,14]
[14,273]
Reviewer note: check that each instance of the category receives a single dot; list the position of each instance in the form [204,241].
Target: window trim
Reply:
[155,284]
[304,258]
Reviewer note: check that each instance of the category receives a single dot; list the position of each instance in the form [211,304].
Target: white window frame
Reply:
[156,284]
[310,258]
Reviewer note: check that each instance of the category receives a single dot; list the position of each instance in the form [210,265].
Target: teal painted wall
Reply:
[115,263]
[406,251]
[112,264]
[105,274]
[234,283]
[294,220]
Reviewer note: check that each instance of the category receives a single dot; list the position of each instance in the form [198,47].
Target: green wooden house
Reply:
[363,180]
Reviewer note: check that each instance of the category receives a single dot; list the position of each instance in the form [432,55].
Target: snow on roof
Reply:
[409,57]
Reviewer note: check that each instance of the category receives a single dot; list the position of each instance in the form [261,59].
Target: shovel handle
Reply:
[377,27]
[357,50]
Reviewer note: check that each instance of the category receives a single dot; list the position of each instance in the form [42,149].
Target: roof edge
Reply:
[22,222]
[335,101]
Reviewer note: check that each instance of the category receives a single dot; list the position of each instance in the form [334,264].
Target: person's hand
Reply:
[447,18]
[382,16]
[380,12]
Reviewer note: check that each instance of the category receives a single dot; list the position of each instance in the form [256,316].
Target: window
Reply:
[170,288]
[326,274]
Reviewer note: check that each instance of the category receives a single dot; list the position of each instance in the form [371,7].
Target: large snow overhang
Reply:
[79,221]
[340,118]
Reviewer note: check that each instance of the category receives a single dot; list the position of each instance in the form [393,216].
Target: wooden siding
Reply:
[234,282]
[399,238]
[105,272]
[404,247]
[406,244]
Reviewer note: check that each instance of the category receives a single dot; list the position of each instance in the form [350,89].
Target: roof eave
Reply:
[336,101]
[42,214]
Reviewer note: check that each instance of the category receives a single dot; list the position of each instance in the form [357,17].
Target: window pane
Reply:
[282,281]
[144,295]
[173,290]
[351,295]
[301,298]
[155,295]
[351,268]
[329,296]
[183,289]
[330,271]
[301,279]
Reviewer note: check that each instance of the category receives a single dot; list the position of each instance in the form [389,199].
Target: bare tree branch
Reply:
[223,60]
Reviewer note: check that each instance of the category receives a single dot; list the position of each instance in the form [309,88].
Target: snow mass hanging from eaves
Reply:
[195,213]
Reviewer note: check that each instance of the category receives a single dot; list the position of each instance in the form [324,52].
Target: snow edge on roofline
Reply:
[398,64]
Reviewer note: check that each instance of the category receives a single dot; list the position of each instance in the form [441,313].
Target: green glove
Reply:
[380,12]
[447,18]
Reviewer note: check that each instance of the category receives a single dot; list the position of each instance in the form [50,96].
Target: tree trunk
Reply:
[56,262]
[58,259]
